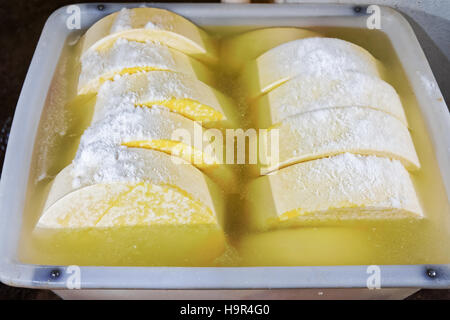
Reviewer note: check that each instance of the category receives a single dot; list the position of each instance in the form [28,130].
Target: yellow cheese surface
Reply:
[189,108]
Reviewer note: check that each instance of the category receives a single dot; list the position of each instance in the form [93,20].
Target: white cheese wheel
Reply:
[126,57]
[176,92]
[343,187]
[308,93]
[310,56]
[161,130]
[328,132]
[148,167]
[151,24]
[161,213]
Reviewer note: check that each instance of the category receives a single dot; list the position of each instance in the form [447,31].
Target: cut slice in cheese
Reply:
[126,57]
[162,215]
[328,132]
[311,56]
[309,93]
[151,24]
[237,50]
[343,187]
[159,129]
[177,92]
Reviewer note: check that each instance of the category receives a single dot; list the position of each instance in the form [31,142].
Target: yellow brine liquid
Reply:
[351,243]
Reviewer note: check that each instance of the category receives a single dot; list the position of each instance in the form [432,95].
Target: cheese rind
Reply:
[131,57]
[328,132]
[176,92]
[311,56]
[308,93]
[343,187]
[237,50]
[151,24]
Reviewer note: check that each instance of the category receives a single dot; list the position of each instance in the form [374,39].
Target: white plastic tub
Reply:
[397,281]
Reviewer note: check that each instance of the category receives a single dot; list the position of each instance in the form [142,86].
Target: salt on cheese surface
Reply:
[110,164]
[310,56]
[126,57]
[151,24]
[150,196]
[239,49]
[176,92]
[161,130]
[343,187]
[328,132]
[308,93]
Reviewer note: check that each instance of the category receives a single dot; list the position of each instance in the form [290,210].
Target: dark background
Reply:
[21,23]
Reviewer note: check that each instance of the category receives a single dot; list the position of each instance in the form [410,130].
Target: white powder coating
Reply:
[123,54]
[154,86]
[90,207]
[312,56]
[178,210]
[122,22]
[109,197]
[101,158]
[169,85]
[107,163]
[342,187]
[357,180]
[358,130]
[307,93]
[155,25]
[151,26]
[126,56]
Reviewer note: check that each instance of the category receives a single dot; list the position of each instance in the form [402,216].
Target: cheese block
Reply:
[151,24]
[309,93]
[146,166]
[146,210]
[159,129]
[176,92]
[311,56]
[343,187]
[126,57]
[328,132]
[237,50]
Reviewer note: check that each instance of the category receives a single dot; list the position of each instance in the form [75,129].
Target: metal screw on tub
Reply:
[101,7]
[357,9]
[54,274]
[431,273]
